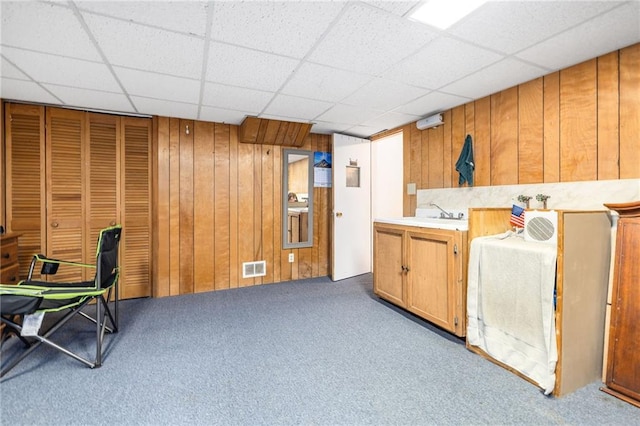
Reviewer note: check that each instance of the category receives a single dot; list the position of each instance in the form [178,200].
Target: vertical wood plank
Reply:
[482,142]
[630,112]
[222,209]
[245,210]
[258,242]
[161,195]
[435,169]
[578,118]
[470,129]
[317,206]
[204,248]
[268,217]
[530,132]
[324,219]
[551,125]
[234,280]
[424,160]
[277,213]
[608,123]
[186,208]
[447,151]
[504,137]
[174,206]
[458,136]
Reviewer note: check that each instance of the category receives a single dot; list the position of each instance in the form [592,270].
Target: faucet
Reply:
[444,212]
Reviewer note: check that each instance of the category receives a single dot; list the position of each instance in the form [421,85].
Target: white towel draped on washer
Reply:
[510,304]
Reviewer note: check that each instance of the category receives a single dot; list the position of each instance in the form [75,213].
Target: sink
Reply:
[429,222]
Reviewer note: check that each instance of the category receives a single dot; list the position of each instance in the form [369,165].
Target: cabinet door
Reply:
[65,157]
[25,207]
[103,179]
[388,272]
[623,373]
[135,247]
[431,277]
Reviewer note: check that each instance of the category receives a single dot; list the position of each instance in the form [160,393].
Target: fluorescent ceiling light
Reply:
[444,13]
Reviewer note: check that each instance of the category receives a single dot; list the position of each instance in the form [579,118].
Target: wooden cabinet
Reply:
[423,271]
[9,266]
[71,173]
[623,361]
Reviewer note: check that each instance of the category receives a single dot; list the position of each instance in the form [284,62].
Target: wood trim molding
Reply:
[265,131]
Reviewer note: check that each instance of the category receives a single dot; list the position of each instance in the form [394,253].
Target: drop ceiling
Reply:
[353,67]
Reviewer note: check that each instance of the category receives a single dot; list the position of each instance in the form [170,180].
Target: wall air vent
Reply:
[254,269]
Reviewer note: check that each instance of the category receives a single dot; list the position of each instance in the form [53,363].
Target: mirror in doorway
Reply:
[297,198]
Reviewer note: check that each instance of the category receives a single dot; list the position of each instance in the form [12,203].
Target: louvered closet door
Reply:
[103,177]
[25,179]
[65,192]
[136,208]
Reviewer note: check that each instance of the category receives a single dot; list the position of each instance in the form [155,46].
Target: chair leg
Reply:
[45,339]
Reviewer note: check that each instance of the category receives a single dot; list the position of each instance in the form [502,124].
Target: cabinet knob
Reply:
[5,255]
[112,223]
[54,224]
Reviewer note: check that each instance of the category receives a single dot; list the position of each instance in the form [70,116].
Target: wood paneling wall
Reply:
[218,205]
[578,124]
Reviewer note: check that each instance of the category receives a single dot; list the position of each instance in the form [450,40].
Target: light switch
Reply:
[411,189]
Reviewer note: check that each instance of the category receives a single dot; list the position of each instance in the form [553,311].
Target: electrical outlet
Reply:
[290,257]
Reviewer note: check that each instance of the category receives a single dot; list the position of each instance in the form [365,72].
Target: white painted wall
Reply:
[386,177]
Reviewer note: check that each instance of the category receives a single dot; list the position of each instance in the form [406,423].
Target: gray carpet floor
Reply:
[310,352]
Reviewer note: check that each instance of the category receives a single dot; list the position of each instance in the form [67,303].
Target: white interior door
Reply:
[351,254]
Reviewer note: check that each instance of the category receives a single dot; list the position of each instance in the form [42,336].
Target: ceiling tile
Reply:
[183,16]
[369,40]
[147,48]
[159,86]
[400,8]
[63,71]
[390,120]
[431,103]
[324,83]
[327,128]
[519,24]
[347,114]
[91,99]
[440,62]
[49,27]
[296,108]
[221,115]
[242,67]
[588,40]
[165,108]
[10,71]
[384,94]
[282,27]
[363,131]
[236,98]
[22,90]
[506,73]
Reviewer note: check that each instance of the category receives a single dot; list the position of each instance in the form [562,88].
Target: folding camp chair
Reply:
[30,300]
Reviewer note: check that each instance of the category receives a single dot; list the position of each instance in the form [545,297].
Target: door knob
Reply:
[338,214]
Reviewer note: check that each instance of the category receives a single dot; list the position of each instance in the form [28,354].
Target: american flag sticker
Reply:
[517,216]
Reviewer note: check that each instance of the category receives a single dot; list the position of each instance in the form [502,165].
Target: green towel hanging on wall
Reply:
[465,165]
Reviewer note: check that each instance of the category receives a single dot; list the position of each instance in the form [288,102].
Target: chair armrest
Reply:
[50,266]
